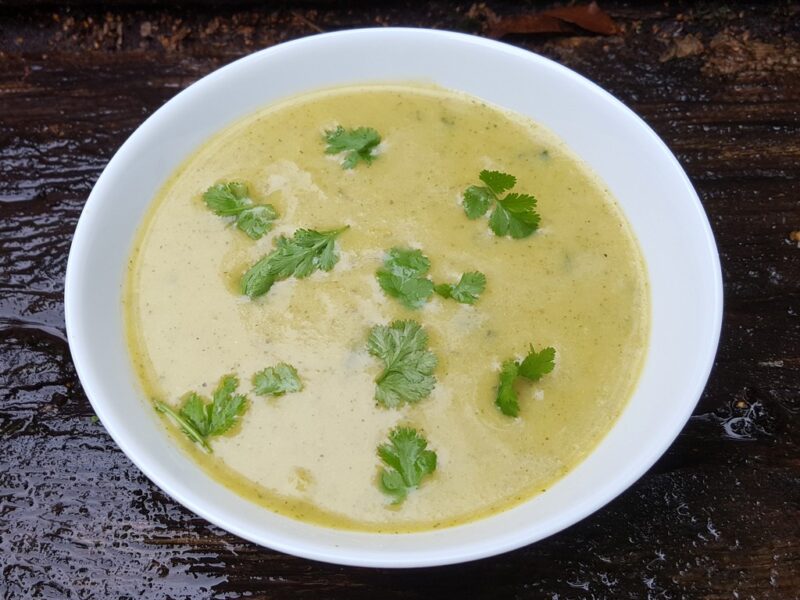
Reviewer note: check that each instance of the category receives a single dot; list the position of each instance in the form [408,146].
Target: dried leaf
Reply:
[537,23]
[683,47]
[589,17]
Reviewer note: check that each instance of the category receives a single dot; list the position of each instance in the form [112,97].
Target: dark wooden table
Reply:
[717,517]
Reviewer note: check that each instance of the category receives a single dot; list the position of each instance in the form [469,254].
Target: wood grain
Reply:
[717,517]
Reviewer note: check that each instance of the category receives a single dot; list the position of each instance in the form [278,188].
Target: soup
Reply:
[528,324]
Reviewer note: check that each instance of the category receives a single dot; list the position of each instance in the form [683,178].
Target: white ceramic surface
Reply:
[651,187]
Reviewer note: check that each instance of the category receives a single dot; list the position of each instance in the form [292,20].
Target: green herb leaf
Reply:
[534,366]
[408,364]
[357,144]
[228,199]
[257,221]
[200,419]
[403,276]
[498,182]
[232,200]
[444,289]
[506,399]
[194,412]
[515,215]
[226,406]
[477,201]
[407,460]
[298,256]
[466,291]
[277,381]
[185,425]
[538,364]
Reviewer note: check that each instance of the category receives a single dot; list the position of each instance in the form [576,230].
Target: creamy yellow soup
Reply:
[577,284]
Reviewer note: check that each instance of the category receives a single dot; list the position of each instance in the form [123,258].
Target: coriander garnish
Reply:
[277,381]
[357,144]
[534,366]
[298,256]
[514,215]
[404,276]
[200,418]
[408,462]
[233,200]
[466,291]
[408,364]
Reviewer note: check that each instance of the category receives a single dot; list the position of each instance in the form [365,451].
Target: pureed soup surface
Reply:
[577,284]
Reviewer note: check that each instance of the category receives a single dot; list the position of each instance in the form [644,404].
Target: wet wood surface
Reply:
[717,517]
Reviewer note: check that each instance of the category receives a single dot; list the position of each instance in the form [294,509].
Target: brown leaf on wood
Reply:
[588,17]
[537,23]
[683,47]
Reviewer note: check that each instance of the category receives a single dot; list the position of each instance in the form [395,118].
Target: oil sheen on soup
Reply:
[577,284]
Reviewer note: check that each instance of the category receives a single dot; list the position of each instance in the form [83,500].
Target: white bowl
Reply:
[652,189]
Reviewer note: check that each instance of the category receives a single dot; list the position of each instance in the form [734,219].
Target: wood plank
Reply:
[717,517]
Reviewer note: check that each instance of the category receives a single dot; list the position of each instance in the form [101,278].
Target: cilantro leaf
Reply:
[514,215]
[538,364]
[232,200]
[407,460]
[477,201]
[195,413]
[277,381]
[444,289]
[498,182]
[403,276]
[357,144]
[298,256]
[186,425]
[466,291]
[226,406]
[393,484]
[257,221]
[200,419]
[534,366]
[227,199]
[506,399]
[408,364]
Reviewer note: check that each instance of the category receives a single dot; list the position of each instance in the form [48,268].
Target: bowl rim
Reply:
[84,367]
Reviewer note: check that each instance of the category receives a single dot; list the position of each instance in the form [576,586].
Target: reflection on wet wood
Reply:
[717,517]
